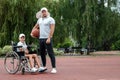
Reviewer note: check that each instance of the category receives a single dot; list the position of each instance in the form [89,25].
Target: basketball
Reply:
[35,33]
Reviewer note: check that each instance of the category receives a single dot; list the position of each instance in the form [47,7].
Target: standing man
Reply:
[46,26]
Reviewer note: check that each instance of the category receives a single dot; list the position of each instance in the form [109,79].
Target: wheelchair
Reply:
[16,61]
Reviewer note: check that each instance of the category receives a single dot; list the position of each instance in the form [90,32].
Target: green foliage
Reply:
[87,21]
[67,43]
[58,53]
[17,17]
[116,45]
[5,50]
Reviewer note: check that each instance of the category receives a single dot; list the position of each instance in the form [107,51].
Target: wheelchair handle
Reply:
[17,46]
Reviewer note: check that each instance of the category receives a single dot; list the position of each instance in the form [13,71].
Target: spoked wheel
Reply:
[12,62]
[25,65]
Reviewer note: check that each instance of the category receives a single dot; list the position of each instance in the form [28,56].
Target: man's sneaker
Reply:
[33,69]
[42,69]
[54,70]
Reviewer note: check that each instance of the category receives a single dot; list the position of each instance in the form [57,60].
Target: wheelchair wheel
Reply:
[12,62]
[23,71]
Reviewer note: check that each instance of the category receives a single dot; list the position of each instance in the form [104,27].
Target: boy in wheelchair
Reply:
[31,57]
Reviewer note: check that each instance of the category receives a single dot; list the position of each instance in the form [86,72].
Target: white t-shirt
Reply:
[44,25]
[24,46]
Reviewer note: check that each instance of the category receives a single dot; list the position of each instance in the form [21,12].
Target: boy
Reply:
[29,56]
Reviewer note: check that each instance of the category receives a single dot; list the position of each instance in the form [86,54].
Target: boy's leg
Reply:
[30,60]
[35,56]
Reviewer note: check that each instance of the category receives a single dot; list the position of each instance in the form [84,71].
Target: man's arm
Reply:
[52,28]
[36,26]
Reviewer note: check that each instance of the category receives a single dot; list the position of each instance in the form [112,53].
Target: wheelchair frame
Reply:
[16,61]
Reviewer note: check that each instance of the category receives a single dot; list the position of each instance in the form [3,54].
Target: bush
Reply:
[58,52]
[6,49]
[116,45]
[67,43]
[59,45]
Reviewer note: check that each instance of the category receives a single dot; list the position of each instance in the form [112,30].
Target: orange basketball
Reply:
[35,33]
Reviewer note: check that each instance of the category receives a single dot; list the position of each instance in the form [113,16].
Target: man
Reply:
[46,26]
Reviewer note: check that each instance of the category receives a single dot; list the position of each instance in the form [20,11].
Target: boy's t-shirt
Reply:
[24,46]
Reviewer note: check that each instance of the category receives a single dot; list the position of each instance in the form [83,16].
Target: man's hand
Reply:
[48,41]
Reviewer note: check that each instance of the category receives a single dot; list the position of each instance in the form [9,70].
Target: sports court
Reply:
[73,68]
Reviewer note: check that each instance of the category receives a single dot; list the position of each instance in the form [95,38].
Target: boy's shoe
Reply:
[33,69]
[54,70]
[42,69]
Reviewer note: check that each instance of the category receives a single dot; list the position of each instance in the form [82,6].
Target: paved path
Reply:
[73,68]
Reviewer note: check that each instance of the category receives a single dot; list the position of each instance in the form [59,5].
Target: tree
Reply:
[17,17]
[87,23]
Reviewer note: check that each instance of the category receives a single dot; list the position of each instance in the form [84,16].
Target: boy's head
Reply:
[22,37]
